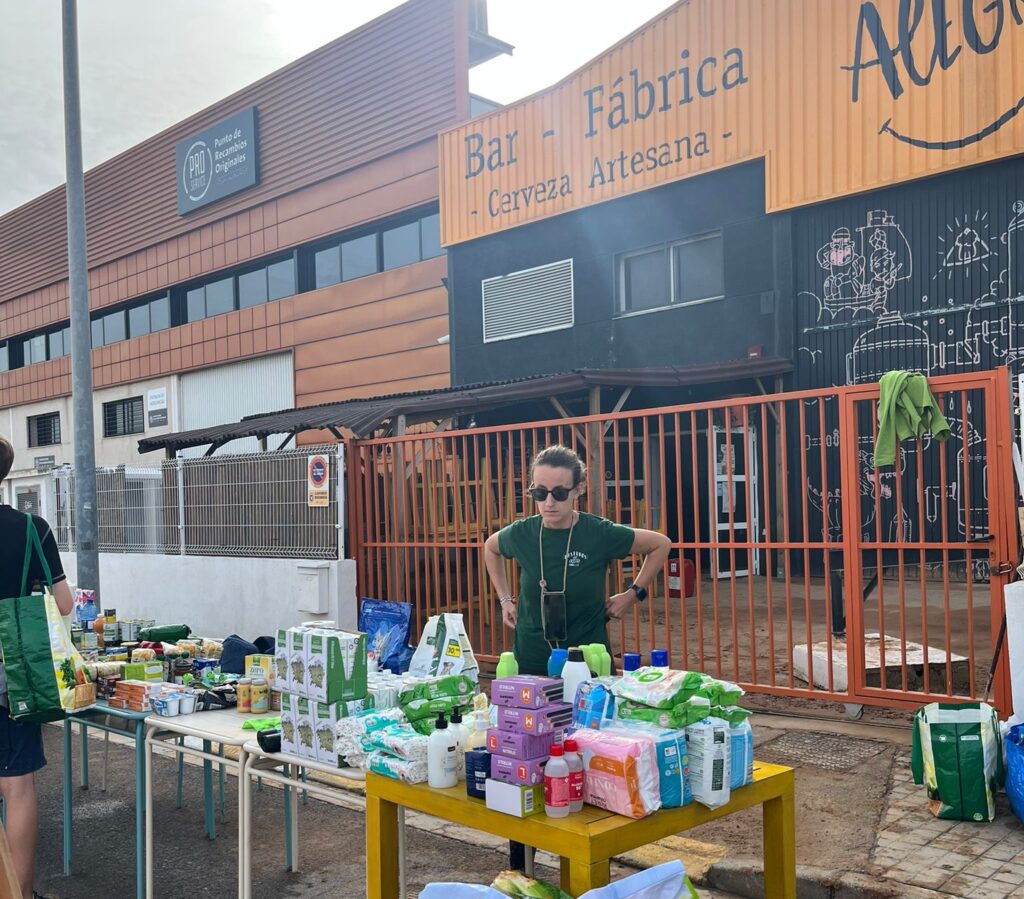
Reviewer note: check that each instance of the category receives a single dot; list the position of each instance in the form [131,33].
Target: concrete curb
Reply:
[747,879]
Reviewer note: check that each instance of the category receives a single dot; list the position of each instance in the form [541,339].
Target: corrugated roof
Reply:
[364,416]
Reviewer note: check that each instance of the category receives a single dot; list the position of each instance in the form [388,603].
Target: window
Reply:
[688,271]
[430,236]
[44,430]
[35,349]
[252,288]
[138,321]
[123,417]
[5,358]
[220,296]
[402,245]
[114,328]
[281,279]
[359,257]
[160,314]
[328,267]
[97,332]
[195,301]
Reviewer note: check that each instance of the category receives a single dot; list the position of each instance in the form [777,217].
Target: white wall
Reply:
[219,595]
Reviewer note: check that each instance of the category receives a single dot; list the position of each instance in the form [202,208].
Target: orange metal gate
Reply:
[815,576]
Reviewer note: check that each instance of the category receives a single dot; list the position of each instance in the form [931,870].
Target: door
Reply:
[734,505]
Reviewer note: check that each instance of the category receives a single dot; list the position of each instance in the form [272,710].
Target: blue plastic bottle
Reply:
[556,661]
[87,614]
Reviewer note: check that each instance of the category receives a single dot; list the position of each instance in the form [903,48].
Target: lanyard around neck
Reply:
[540,551]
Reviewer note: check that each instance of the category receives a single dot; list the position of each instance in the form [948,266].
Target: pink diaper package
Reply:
[621,772]
[548,720]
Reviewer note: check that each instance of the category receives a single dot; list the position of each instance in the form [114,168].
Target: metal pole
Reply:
[78,291]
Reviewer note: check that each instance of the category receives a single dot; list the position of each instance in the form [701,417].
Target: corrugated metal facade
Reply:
[388,85]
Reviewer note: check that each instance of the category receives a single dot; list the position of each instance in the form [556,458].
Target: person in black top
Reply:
[21,745]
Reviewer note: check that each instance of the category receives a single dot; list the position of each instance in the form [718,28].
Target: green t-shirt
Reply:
[595,542]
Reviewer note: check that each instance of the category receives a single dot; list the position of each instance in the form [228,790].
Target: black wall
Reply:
[756,310]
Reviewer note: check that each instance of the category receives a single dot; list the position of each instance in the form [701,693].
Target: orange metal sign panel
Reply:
[839,96]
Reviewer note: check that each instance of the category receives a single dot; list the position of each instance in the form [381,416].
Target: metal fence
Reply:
[240,505]
[816,575]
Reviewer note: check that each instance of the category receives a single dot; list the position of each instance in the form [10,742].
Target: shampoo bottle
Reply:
[442,756]
[573,673]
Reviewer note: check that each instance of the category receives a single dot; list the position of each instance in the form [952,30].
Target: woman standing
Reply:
[563,558]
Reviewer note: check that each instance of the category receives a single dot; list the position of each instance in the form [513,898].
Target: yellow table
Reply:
[587,841]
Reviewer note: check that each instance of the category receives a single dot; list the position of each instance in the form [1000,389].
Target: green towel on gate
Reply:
[906,408]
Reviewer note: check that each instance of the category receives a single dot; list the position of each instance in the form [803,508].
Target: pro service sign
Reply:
[218,162]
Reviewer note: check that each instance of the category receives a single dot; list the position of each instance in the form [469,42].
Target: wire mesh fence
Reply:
[257,505]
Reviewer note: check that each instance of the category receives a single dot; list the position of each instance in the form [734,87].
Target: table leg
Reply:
[293,817]
[211,826]
[381,848]
[67,796]
[85,754]
[780,847]
[220,752]
[140,800]
[245,783]
[287,770]
[106,758]
[148,758]
[579,876]
[401,853]
[243,814]
[181,771]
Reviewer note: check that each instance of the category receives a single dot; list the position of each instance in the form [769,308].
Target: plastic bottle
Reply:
[442,760]
[478,735]
[575,763]
[575,671]
[556,784]
[556,661]
[87,614]
[507,666]
[592,656]
[630,661]
[461,735]
[604,661]
[659,658]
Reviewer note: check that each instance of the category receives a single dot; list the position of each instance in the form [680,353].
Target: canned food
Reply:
[244,692]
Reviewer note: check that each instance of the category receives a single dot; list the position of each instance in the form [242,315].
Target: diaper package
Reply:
[621,772]
[660,688]
[410,772]
[670,753]
[399,740]
[741,752]
[707,746]
[349,732]
[594,705]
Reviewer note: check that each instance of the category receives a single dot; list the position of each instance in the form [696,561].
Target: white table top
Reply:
[219,726]
[254,748]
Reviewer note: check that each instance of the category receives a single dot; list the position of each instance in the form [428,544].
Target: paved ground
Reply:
[860,822]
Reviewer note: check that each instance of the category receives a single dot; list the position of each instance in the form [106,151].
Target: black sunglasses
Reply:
[539,494]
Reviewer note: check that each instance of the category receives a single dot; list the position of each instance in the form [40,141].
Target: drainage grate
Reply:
[828,751]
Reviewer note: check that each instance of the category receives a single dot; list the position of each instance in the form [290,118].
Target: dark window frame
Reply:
[668,248]
[132,419]
[52,420]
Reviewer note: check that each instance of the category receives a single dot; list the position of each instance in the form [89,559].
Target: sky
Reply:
[146,64]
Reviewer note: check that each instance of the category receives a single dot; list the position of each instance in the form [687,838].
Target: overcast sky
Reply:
[146,64]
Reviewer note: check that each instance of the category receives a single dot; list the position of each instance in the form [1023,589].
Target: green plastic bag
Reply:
[45,673]
[957,756]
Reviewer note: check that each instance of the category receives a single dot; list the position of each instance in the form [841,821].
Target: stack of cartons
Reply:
[134,695]
[326,681]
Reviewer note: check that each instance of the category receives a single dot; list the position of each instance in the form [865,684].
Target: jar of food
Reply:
[244,692]
[275,700]
[182,665]
[260,696]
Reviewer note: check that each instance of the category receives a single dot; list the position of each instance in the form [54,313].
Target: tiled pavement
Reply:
[955,858]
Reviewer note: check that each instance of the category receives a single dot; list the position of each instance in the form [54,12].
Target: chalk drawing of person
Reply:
[884,270]
[845,283]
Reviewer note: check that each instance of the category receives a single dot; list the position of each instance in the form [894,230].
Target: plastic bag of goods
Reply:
[386,625]
[620,772]
[670,752]
[659,688]
[709,753]
[444,649]
[957,756]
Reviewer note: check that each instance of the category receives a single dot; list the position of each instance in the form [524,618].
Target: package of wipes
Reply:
[670,753]
[659,688]
[398,740]
[707,747]
[620,772]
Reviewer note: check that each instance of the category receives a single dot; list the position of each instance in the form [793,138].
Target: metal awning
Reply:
[363,417]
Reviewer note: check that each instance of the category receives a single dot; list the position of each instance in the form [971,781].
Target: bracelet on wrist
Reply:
[507,600]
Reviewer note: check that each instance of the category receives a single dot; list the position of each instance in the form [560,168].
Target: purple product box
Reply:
[523,772]
[526,692]
[548,720]
[518,746]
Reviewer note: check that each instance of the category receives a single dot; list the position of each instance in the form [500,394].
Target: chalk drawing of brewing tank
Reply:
[863,273]
[967,489]
[891,344]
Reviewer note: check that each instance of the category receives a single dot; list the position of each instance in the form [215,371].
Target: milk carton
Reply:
[305,730]
[289,713]
[323,735]
[282,660]
[297,660]
[335,665]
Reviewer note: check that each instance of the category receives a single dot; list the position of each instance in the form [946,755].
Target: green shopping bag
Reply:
[45,673]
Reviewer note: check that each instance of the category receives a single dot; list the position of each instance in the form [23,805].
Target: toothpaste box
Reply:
[547,720]
[514,800]
[526,692]
[524,772]
[289,712]
[282,660]
[335,663]
[519,746]
[305,729]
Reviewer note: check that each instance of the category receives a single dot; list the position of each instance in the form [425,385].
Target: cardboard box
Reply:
[548,720]
[289,713]
[335,665]
[149,672]
[282,661]
[511,799]
[323,734]
[305,730]
[526,691]
[264,666]
[522,772]
[520,746]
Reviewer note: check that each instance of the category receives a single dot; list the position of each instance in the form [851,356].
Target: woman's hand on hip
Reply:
[509,612]
[617,605]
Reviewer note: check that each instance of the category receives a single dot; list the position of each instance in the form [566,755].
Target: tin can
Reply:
[260,696]
[129,631]
[244,692]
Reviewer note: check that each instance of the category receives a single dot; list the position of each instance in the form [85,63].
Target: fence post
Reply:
[340,493]
[181,505]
